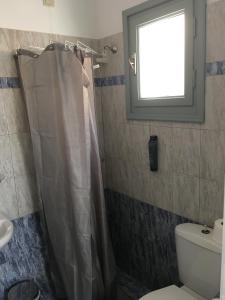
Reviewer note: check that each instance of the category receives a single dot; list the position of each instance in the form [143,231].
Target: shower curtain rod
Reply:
[68,45]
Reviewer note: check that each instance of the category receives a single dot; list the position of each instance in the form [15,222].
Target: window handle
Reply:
[133,63]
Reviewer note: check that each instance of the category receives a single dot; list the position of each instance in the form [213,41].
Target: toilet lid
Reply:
[169,293]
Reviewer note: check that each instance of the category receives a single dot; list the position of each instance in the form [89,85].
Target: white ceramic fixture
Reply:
[6,230]
[199,262]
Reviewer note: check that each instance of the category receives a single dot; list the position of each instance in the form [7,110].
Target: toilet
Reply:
[199,264]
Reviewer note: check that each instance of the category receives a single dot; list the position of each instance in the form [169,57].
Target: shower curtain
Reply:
[58,90]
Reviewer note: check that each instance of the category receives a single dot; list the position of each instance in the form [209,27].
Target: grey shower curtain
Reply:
[60,103]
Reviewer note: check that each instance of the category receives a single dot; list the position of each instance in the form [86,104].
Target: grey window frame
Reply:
[190,108]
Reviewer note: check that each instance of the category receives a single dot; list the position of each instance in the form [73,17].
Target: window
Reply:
[165,60]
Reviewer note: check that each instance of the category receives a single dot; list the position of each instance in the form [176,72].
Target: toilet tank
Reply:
[199,260]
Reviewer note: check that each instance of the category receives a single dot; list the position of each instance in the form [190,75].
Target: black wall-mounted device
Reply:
[153,153]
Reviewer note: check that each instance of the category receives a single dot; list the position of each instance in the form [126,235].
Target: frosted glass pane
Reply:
[162,57]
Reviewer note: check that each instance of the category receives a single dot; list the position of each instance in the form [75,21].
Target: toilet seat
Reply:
[169,293]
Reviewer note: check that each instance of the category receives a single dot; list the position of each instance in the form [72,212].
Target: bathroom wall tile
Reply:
[137,145]
[161,191]
[115,65]
[15,111]
[27,197]
[3,121]
[22,154]
[8,200]
[165,149]
[98,105]
[215,104]
[138,122]
[7,38]
[113,139]
[186,125]
[212,162]
[99,121]
[101,140]
[186,151]
[108,107]
[215,31]
[161,124]
[186,196]
[211,201]
[6,167]
[117,175]
[113,103]
[7,64]
[138,181]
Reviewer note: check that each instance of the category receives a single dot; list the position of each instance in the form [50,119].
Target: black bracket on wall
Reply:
[153,153]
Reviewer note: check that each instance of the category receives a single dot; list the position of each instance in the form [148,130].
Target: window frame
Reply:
[183,109]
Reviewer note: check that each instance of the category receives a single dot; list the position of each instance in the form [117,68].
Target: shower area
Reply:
[91,221]
[70,255]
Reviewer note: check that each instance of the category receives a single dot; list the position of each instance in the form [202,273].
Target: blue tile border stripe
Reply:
[215,68]
[9,82]
[110,81]
[212,69]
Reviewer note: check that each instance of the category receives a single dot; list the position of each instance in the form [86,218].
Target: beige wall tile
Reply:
[186,196]
[212,162]
[8,200]
[113,104]
[22,154]
[215,31]
[27,197]
[3,121]
[215,103]
[211,201]
[6,166]
[7,65]
[137,144]
[115,65]
[138,179]
[186,151]
[113,139]
[15,111]
[161,191]
[98,104]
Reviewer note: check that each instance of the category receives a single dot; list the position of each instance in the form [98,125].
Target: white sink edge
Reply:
[6,231]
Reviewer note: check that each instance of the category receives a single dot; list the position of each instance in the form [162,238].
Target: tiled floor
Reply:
[129,288]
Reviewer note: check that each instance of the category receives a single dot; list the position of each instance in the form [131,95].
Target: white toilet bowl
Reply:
[169,293]
[199,264]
